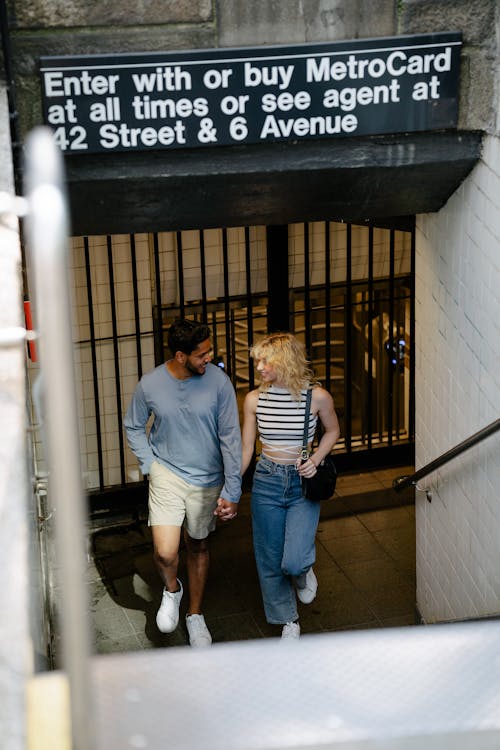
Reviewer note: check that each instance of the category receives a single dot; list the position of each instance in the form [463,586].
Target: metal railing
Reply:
[47,244]
[411,480]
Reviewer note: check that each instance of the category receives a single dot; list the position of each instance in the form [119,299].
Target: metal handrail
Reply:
[401,483]
[47,234]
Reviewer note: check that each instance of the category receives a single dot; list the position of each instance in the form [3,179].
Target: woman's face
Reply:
[266,371]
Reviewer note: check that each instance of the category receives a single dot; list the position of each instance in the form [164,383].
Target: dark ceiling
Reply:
[353,180]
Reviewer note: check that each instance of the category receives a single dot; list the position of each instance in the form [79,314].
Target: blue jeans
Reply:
[284,529]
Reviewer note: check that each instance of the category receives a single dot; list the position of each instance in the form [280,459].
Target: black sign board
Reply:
[140,102]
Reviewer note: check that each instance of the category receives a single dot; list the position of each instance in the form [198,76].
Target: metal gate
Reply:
[345,290]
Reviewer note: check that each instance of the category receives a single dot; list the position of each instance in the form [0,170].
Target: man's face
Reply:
[197,361]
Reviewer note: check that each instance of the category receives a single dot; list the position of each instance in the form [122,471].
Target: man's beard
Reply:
[193,370]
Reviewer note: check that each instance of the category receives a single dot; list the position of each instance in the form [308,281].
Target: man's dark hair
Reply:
[186,335]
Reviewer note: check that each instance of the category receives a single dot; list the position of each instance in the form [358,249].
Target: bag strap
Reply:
[305,453]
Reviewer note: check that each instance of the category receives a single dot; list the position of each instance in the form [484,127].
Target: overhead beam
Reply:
[346,179]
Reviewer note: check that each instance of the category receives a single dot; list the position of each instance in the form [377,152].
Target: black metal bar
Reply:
[116,356]
[398,383]
[307,291]
[400,483]
[180,273]
[411,407]
[158,322]
[203,269]
[248,274]
[382,355]
[392,343]
[278,294]
[348,326]
[137,318]
[94,362]
[213,327]
[233,350]
[369,421]
[328,311]
[227,307]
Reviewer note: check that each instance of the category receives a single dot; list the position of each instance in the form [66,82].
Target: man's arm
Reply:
[230,442]
[134,423]
[225,509]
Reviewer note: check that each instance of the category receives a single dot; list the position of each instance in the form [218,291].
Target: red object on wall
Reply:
[29,327]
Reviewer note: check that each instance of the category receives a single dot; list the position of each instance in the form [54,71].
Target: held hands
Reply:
[306,468]
[226,510]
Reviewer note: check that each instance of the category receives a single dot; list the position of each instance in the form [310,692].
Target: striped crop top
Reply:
[280,418]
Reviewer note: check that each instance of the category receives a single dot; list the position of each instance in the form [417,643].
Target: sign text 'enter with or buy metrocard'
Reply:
[151,101]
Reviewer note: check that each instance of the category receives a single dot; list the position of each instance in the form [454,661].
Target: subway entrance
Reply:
[344,289]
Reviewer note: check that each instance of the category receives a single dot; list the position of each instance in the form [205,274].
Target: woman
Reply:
[284,522]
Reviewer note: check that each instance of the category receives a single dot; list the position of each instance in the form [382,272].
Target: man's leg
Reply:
[198,562]
[200,522]
[166,554]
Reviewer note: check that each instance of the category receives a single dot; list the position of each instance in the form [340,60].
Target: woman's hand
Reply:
[226,510]
[306,468]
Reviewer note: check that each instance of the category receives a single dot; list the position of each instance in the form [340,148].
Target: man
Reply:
[192,457]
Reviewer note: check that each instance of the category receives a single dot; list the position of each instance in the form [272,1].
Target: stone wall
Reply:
[64,27]
[478,20]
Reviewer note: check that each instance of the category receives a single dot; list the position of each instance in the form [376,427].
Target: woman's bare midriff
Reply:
[283,454]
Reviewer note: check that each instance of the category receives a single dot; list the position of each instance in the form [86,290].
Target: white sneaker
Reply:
[167,616]
[307,592]
[199,634]
[291,631]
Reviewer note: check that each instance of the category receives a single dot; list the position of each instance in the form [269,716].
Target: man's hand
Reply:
[226,510]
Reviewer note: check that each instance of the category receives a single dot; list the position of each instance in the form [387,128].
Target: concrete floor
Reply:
[365,568]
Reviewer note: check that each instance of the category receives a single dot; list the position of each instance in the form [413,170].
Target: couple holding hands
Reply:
[194,456]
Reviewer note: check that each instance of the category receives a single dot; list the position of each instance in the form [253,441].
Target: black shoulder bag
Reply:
[322,485]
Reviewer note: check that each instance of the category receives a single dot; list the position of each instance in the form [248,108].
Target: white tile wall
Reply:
[458,393]
[338,252]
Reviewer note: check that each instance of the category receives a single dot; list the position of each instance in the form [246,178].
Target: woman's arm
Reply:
[249,430]
[322,405]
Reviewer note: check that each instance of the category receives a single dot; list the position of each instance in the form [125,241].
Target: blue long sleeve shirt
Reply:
[195,430]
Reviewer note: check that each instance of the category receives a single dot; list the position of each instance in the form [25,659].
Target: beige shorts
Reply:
[172,502]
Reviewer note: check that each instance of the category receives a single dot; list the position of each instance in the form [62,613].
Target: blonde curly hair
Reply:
[287,356]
